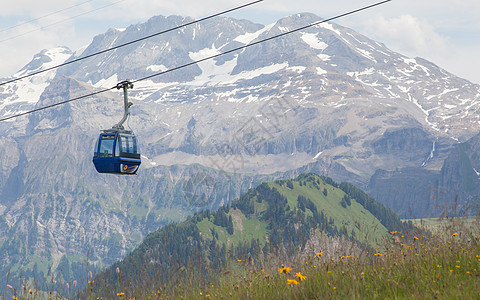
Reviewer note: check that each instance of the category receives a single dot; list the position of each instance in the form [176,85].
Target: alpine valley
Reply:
[325,100]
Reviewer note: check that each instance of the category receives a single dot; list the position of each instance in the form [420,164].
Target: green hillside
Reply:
[276,216]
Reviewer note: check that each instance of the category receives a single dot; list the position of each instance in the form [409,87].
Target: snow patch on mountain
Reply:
[249,37]
[23,94]
[313,41]
[106,83]
[157,68]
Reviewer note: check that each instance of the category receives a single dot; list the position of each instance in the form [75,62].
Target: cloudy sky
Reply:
[446,32]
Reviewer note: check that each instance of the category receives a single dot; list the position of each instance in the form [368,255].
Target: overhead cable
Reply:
[44,16]
[207,58]
[129,43]
[260,41]
[61,21]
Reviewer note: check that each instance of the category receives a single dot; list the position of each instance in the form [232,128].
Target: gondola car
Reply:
[116,150]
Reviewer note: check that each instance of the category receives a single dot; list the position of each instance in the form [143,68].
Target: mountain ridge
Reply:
[326,100]
[271,219]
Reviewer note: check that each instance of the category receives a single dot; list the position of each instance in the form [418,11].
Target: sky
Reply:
[445,32]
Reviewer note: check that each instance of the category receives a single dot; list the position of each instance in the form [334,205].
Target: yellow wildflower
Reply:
[300,276]
[393,232]
[415,238]
[120,294]
[284,270]
[291,281]
[454,234]
[319,253]
[378,254]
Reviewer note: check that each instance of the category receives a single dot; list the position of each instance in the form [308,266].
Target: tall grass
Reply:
[445,265]
[441,265]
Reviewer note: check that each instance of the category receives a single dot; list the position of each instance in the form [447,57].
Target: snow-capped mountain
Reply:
[325,99]
[22,95]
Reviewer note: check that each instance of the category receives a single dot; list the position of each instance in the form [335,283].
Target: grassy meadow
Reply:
[442,265]
[445,265]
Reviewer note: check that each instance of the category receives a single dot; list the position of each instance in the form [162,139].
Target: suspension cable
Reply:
[203,59]
[131,42]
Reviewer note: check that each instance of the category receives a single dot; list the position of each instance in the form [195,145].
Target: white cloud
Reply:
[407,34]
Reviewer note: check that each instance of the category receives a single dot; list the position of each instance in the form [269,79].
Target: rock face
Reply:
[325,99]
[417,192]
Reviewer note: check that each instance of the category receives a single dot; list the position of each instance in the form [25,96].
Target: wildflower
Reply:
[90,274]
[328,272]
[454,234]
[9,286]
[291,281]
[378,254]
[284,270]
[120,294]
[415,238]
[342,257]
[15,298]
[117,270]
[393,232]
[458,267]
[319,254]
[334,287]
[68,286]
[300,276]
[478,256]
[74,283]
[239,260]
[207,296]
[468,272]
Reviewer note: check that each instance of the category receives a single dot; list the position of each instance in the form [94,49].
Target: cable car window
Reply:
[106,146]
[95,151]
[135,149]
[124,143]
[128,147]
[117,148]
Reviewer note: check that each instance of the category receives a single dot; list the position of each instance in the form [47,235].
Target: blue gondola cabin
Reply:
[117,153]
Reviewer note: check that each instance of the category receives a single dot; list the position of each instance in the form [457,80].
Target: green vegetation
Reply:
[302,223]
[278,219]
